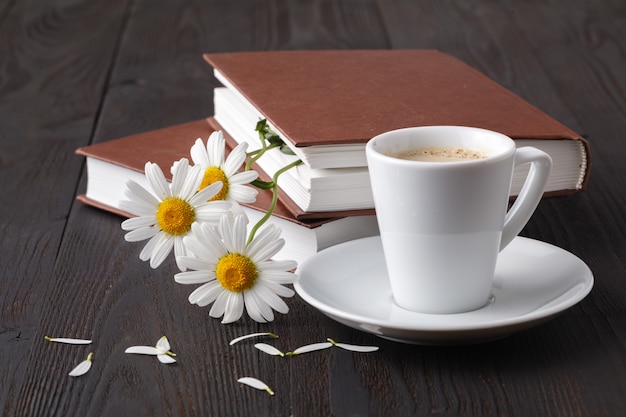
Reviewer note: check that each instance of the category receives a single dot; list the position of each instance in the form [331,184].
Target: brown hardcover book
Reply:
[111,164]
[327,104]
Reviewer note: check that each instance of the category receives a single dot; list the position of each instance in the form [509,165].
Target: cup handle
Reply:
[531,193]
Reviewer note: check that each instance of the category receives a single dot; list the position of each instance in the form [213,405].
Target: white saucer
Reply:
[534,281]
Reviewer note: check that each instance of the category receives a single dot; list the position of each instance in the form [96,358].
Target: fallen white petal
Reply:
[144,350]
[68,340]
[310,348]
[270,350]
[255,383]
[248,336]
[161,351]
[163,344]
[83,367]
[164,358]
[354,348]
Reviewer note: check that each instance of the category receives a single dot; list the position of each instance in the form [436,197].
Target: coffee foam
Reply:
[441,154]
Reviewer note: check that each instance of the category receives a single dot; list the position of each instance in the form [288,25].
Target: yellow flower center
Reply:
[236,272]
[213,175]
[175,216]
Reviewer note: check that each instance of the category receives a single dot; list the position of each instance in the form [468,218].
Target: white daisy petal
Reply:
[278,289]
[192,277]
[255,309]
[137,192]
[83,367]
[68,340]
[199,292]
[204,265]
[234,308]
[354,348]
[179,176]
[277,277]
[268,251]
[251,335]
[269,349]
[265,237]
[239,235]
[192,182]
[219,305]
[213,246]
[143,350]
[199,154]
[277,265]
[166,359]
[207,193]
[235,160]
[179,251]
[258,248]
[198,248]
[157,180]
[138,208]
[138,222]
[139,235]
[226,232]
[271,298]
[163,344]
[245,177]
[210,292]
[310,348]
[242,193]
[215,149]
[255,383]
[163,244]
[147,250]
[211,214]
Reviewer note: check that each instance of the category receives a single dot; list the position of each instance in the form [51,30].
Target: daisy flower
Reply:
[217,168]
[234,274]
[166,213]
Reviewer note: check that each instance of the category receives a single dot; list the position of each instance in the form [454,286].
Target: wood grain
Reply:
[74,72]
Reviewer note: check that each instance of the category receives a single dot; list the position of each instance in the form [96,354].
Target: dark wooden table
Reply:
[78,72]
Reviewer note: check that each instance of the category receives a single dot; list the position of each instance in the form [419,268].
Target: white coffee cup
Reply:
[442,224]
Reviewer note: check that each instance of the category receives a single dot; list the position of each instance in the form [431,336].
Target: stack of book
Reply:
[325,105]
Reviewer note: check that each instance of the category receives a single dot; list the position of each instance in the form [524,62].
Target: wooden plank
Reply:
[55,61]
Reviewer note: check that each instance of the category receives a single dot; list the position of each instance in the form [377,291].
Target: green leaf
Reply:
[263,185]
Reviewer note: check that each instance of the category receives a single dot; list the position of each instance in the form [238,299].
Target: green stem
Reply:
[272,206]
[256,155]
